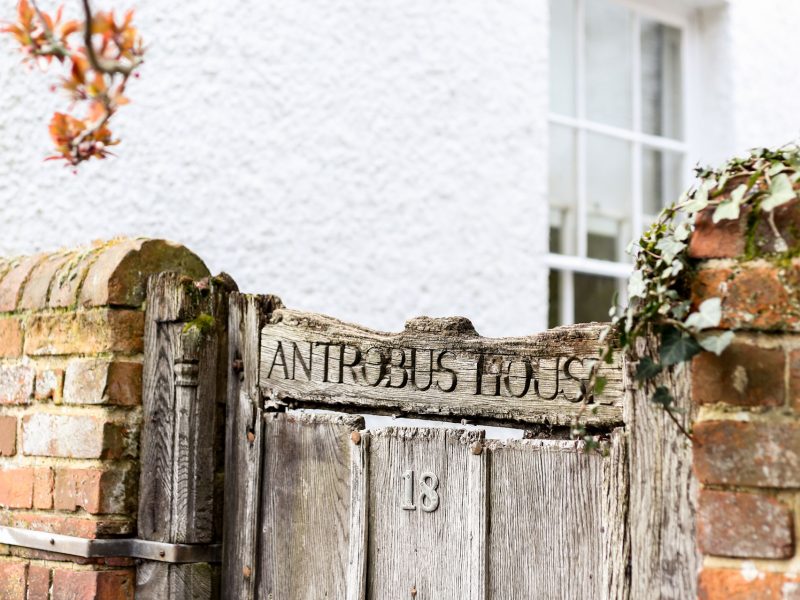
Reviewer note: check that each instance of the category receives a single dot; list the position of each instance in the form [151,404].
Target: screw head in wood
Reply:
[247,571]
[251,437]
[476,448]
[237,365]
[414,591]
[356,437]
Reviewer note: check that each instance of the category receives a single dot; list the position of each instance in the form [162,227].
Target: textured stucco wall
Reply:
[373,161]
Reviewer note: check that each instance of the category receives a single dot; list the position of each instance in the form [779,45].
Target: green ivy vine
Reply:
[658,289]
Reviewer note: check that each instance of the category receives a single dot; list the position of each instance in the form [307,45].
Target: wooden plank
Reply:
[437,366]
[306,505]
[243,444]
[424,552]
[359,517]
[177,450]
[664,557]
[545,533]
[615,505]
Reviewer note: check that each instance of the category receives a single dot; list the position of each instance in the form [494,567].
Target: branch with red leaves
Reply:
[99,54]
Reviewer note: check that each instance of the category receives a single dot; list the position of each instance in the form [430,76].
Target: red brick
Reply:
[93,585]
[743,525]
[49,385]
[38,583]
[13,578]
[8,436]
[94,490]
[103,382]
[755,295]
[74,436]
[43,481]
[743,375]
[16,487]
[735,584]
[747,453]
[68,277]
[119,275]
[89,528]
[10,337]
[725,239]
[34,296]
[84,332]
[11,284]
[16,383]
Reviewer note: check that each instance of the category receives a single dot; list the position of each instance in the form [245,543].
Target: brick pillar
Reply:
[71,343]
[746,404]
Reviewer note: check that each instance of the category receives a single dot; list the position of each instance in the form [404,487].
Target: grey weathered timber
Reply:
[552,521]
[306,505]
[616,505]
[243,444]
[439,367]
[359,517]
[664,558]
[183,334]
[424,551]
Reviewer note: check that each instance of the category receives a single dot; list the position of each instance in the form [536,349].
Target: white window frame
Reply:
[568,265]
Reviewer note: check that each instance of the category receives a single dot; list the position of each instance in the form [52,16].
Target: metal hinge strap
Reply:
[111,548]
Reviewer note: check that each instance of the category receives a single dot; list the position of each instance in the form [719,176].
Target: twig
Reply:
[55,47]
[109,67]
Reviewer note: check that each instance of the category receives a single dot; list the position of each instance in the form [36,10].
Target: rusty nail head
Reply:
[477,448]
[356,437]
[162,554]
[251,437]
[246,571]
[238,365]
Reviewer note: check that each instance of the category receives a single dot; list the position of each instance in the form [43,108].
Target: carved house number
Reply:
[428,497]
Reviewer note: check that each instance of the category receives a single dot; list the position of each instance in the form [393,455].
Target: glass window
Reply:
[617,154]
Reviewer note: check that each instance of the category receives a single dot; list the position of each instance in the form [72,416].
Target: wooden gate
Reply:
[320,506]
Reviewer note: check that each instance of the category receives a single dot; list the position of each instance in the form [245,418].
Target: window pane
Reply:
[554,298]
[609,48]
[562,56]
[661,80]
[661,179]
[608,191]
[562,182]
[593,297]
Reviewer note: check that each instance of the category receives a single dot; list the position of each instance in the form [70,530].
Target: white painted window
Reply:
[617,151]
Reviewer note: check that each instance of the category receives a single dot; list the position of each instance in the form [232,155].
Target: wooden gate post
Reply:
[185,371]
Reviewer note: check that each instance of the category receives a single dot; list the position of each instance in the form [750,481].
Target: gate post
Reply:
[185,373]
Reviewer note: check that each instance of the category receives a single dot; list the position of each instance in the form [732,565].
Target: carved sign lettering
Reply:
[438,366]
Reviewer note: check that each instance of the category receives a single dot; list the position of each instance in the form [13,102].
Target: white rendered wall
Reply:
[370,160]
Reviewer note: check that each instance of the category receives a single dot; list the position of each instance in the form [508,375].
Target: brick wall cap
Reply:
[110,273]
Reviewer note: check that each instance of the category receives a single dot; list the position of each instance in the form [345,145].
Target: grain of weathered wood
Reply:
[664,558]
[545,537]
[177,455]
[306,505]
[243,444]
[429,552]
[359,517]
[536,379]
[615,507]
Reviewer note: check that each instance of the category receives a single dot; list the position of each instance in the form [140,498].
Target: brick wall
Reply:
[71,343]
[747,412]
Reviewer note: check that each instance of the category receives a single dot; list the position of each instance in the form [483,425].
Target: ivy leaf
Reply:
[663,397]
[708,315]
[636,285]
[730,208]
[717,343]
[670,248]
[677,347]
[647,369]
[682,231]
[700,199]
[599,385]
[780,192]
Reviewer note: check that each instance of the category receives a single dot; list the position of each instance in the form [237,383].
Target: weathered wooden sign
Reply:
[438,366]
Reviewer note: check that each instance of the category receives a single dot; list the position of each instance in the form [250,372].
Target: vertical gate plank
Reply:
[664,557]
[306,505]
[243,444]
[545,537]
[429,552]
[359,518]
[616,533]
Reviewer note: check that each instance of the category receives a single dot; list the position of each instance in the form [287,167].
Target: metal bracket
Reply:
[108,548]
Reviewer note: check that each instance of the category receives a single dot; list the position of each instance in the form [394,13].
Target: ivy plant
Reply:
[659,300]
